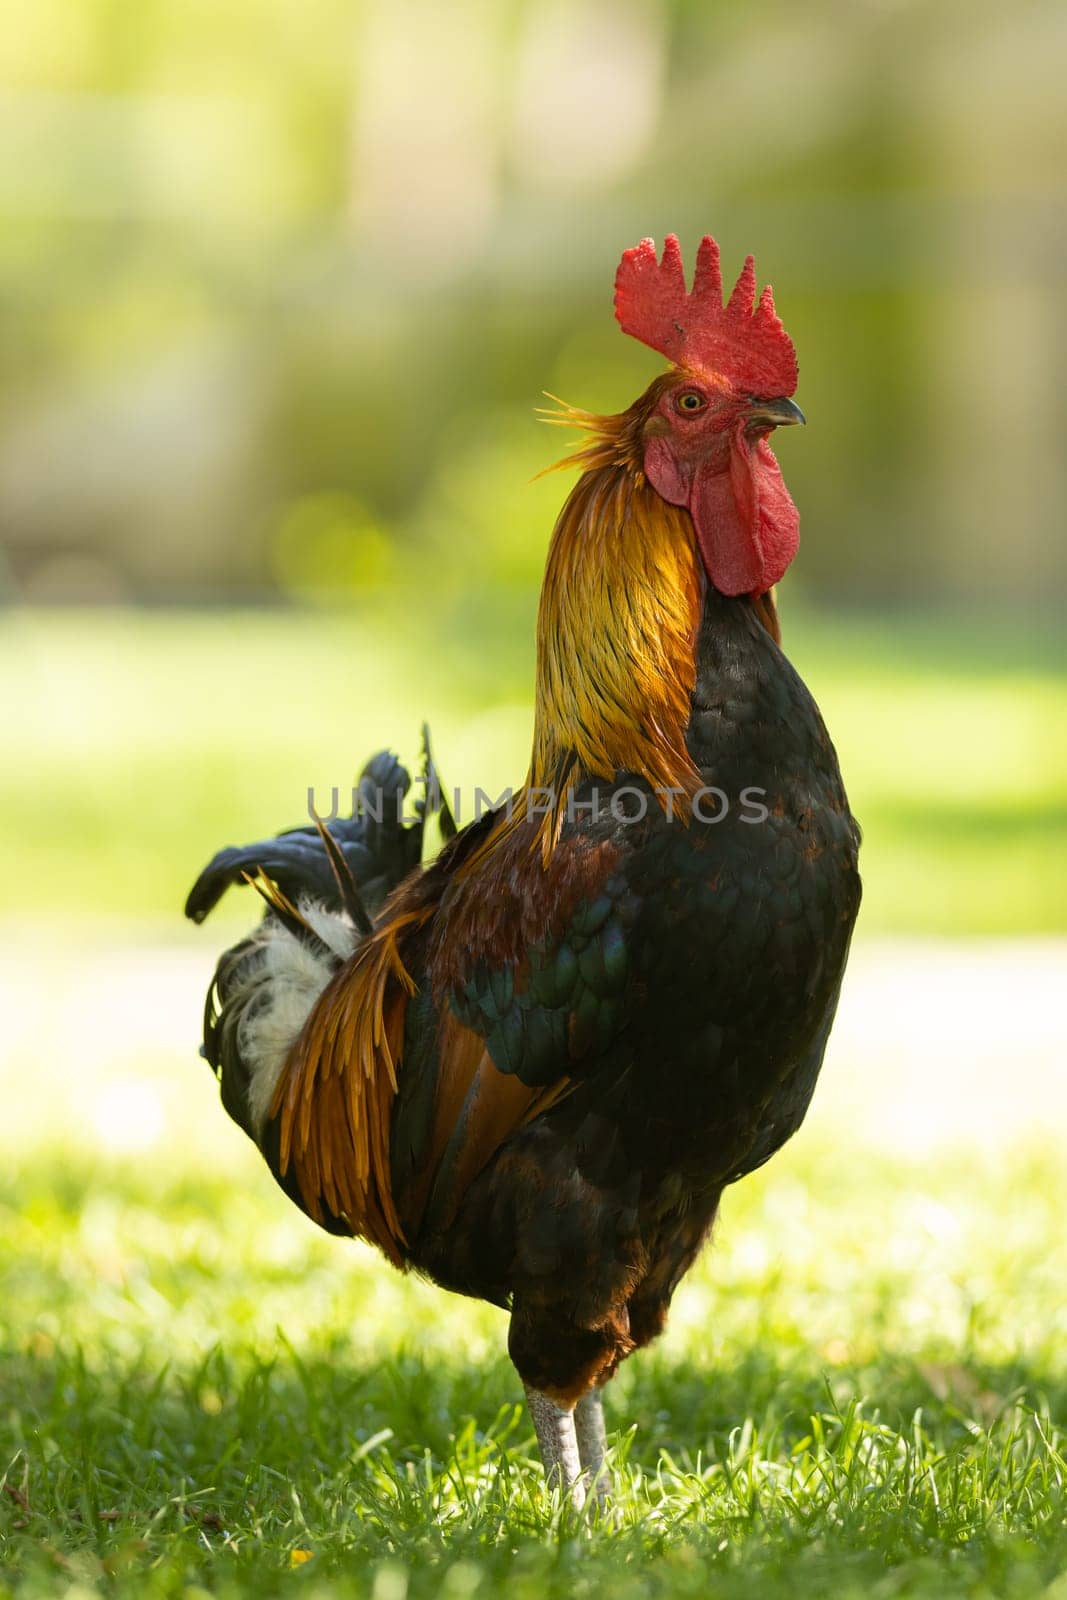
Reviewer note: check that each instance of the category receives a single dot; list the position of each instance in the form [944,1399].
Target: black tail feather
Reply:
[435,798]
[367,855]
[346,883]
[222,1022]
[347,866]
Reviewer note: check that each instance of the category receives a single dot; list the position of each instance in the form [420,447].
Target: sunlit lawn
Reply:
[859,1394]
[139,743]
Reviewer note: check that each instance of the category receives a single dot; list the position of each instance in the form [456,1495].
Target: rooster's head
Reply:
[705,423]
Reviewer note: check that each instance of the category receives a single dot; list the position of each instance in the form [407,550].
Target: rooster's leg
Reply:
[558,1444]
[592,1442]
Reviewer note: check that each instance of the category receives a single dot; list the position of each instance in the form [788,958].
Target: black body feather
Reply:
[686,998]
[691,998]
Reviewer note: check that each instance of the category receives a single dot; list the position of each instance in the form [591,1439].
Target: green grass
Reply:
[138,743]
[862,1392]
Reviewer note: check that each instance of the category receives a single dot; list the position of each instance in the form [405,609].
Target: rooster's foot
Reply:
[558,1443]
[592,1443]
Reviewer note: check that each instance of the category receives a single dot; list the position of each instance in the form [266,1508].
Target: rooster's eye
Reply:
[690,401]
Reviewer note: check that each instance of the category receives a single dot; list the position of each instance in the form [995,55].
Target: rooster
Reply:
[529,1069]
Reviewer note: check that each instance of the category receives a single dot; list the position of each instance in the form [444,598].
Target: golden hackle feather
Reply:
[617,622]
[616,630]
[335,1095]
[283,908]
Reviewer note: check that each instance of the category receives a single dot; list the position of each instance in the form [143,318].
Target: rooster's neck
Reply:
[616,637]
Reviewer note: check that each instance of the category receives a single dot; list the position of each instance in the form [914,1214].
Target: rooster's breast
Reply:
[746,911]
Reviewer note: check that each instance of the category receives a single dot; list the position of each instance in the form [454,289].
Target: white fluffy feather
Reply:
[293,977]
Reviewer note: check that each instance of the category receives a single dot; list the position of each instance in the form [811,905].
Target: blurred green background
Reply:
[282,286]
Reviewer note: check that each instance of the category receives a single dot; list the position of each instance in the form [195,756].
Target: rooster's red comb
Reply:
[743,341]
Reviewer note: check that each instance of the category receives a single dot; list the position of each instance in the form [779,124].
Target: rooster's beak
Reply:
[781,413]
